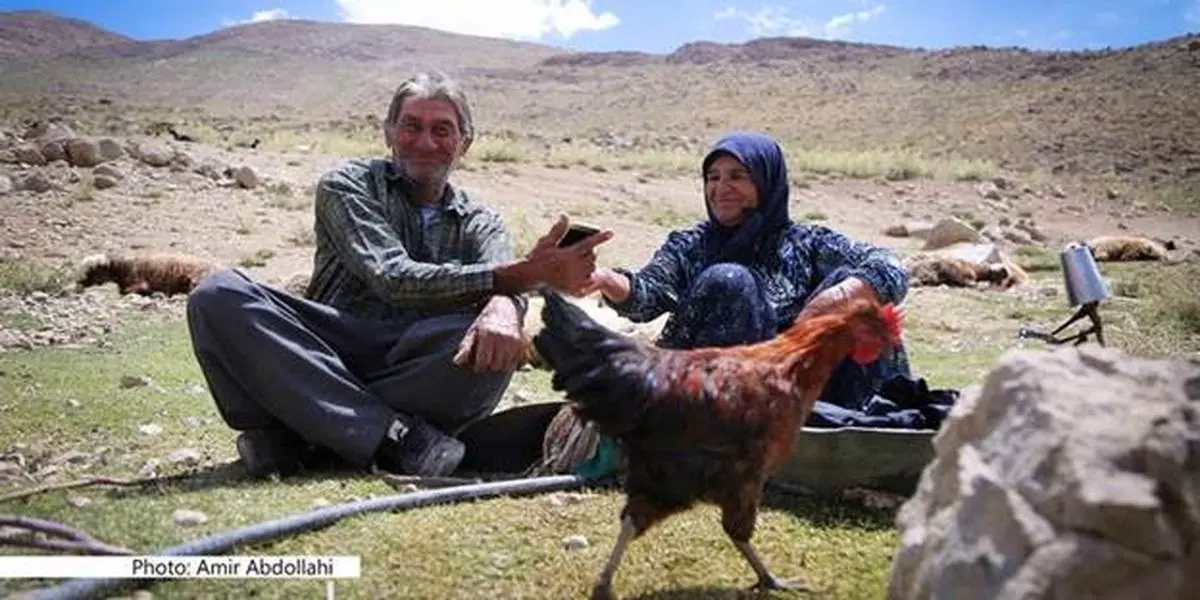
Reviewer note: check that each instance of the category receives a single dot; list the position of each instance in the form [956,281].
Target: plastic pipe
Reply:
[270,530]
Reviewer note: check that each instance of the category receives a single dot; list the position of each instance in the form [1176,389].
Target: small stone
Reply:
[573,497]
[78,501]
[149,469]
[575,542]
[187,517]
[184,456]
[132,381]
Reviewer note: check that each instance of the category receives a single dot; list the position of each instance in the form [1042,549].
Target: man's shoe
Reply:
[413,447]
[265,452]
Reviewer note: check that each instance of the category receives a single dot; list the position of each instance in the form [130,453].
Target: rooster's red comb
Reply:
[893,317]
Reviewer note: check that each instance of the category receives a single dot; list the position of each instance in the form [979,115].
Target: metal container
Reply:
[1081,275]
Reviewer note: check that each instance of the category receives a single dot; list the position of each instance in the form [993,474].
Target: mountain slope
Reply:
[1127,114]
[33,33]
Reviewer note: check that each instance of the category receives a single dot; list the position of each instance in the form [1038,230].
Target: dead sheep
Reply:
[146,274]
[931,270]
[1117,248]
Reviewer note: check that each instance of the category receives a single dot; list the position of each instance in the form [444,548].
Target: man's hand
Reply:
[568,270]
[551,238]
[496,340]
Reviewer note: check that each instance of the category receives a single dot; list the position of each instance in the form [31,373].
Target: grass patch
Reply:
[286,200]
[1160,304]
[62,400]
[496,150]
[57,401]
[302,237]
[1183,197]
[955,335]
[258,258]
[338,143]
[893,166]
[1037,258]
[356,139]
[25,276]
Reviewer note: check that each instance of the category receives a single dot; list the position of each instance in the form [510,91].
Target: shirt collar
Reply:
[453,200]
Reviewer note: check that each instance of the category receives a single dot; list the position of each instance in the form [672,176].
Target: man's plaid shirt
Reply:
[375,259]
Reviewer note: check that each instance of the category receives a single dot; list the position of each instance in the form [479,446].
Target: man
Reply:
[412,323]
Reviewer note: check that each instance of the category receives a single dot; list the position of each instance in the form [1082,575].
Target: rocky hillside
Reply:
[1118,115]
[37,34]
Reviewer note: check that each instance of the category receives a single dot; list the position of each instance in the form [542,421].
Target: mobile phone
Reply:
[576,233]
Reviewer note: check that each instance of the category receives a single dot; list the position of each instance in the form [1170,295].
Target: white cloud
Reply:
[1193,13]
[518,19]
[775,20]
[262,15]
[841,24]
[768,20]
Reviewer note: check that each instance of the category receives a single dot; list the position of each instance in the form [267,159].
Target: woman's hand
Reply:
[836,296]
[611,284]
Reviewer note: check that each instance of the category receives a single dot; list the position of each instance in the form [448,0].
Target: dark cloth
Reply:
[901,403]
[274,360]
[724,307]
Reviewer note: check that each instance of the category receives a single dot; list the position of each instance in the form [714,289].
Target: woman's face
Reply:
[729,190]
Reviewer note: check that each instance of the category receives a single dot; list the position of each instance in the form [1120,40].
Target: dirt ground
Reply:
[193,205]
[178,209]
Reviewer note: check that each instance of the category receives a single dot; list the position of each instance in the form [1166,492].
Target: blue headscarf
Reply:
[761,154]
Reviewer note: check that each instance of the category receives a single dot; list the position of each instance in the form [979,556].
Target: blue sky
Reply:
[663,25]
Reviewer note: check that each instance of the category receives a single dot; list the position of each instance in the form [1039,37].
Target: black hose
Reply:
[270,530]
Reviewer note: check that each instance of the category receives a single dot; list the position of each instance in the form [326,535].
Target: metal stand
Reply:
[1087,309]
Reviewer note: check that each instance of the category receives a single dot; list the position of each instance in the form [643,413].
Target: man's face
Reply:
[426,140]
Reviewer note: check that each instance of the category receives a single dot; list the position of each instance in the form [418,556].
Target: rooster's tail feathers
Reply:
[601,371]
[568,331]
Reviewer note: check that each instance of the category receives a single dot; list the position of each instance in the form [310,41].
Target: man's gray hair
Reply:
[433,86]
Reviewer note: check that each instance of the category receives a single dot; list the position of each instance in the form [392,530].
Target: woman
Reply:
[750,271]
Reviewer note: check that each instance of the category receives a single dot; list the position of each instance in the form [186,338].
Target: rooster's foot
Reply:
[603,592]
[774,583]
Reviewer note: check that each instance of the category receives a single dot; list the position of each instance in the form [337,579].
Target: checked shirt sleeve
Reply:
[495,243]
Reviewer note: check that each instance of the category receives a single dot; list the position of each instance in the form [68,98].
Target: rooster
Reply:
[703,425]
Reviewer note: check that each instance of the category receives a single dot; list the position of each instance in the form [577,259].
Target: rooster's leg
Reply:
[766,580]
[603,588]
[738,517]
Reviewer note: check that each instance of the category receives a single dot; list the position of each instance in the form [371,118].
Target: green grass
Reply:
[955,335]
[24,276]
[1183,197]
[358,139]
[59,400]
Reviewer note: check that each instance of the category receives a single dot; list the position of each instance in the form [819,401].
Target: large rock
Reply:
[950,231]
[1069,474]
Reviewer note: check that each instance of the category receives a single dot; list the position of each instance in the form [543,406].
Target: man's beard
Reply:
[422,176]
